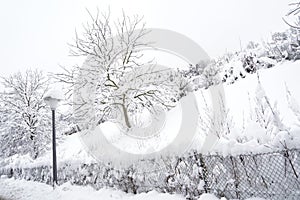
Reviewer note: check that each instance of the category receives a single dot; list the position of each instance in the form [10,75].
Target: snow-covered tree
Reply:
[119,81]
[25,120]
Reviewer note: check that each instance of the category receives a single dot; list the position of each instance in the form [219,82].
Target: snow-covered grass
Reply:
[28,190]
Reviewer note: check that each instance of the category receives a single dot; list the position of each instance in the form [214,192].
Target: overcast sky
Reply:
[35,33]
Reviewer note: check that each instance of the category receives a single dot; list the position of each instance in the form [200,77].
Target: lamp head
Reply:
[53,97]
[52,102]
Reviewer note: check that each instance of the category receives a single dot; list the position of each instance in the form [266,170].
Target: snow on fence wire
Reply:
[273,175]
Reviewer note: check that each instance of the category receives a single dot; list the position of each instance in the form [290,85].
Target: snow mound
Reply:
[29,190]
[55,93]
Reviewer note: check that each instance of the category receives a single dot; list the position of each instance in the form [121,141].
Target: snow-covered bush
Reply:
[293,104]
[284,45]
[203,75]
[267,115]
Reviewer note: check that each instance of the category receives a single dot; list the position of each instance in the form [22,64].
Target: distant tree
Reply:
[25,122]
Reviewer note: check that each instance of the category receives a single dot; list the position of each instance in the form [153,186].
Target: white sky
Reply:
[35,33]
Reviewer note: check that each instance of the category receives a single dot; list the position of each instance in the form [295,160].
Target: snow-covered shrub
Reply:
[284,45]
[202,75]
[218,123]
[267,115]
[293,104]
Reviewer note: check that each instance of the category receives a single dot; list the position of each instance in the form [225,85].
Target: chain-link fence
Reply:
[273,175]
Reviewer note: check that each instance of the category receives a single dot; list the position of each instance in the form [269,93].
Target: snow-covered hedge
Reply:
[272,175]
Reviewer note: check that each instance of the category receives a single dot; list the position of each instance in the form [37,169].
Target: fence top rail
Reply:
[271,152]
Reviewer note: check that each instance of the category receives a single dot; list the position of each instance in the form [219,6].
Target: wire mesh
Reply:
[273,175]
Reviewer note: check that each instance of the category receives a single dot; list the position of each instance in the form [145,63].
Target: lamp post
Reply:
[53,103]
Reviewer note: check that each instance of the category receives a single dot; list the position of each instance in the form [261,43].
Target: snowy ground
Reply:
[11,189]
[28,190]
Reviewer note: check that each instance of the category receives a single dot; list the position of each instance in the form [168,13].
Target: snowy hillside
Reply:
[246,134]
[280,85]
[274,81]
[262,114]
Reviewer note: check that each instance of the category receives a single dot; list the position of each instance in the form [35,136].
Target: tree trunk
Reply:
[126,117]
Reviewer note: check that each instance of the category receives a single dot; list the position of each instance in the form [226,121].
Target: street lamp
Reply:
[52,100]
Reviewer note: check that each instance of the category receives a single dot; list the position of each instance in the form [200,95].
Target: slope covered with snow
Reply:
[242,102]
[246,134]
